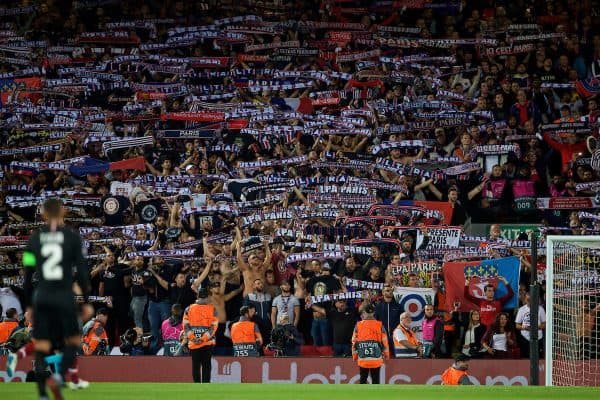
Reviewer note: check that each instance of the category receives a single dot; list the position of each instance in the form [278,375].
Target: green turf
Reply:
[181,391]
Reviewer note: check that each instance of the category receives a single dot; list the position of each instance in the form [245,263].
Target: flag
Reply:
[90,166]
[10,85]
[236,123]
[23,170]
[588,87]
[509,268]
[482,273]
[136,163]
[301,104]
[413,301]
[434,209]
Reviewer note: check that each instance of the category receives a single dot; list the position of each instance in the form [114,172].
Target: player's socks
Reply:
[40,373]
[74,372]
[68,359]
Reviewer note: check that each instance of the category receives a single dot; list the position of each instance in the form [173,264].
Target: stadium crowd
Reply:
[301,159]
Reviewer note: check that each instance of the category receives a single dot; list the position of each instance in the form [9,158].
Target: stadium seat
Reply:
[309,350]
[324,351]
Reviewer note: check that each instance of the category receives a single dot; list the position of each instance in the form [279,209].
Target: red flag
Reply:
[8,86]
[137,163]
[480,274]
[442,206]
[237,123]
[454,281]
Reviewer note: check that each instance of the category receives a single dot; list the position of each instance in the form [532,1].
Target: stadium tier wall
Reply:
[286,370]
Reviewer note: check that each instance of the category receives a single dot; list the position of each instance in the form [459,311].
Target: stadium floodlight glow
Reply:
[572,294]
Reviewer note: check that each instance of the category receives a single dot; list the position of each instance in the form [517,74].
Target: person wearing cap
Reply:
[95,339]
[369,345]
[191,169]
[456,374]
[200,323]
[323,283]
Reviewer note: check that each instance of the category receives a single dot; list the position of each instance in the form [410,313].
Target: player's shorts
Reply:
[54,317]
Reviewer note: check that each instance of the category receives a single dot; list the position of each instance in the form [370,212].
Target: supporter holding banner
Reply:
[440,237]
[421,270]
[442,207]
[480,274]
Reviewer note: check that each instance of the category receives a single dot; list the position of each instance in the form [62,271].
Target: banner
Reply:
[259,217]
[441,237]
[566,203]
[424,270]
[512,231]
[413,301]
[335,296]
[323,255]
[433,209]
[11,85]
[290,370]
[358,284]
[161,253]
[482,273]
[416,267]
[519,48]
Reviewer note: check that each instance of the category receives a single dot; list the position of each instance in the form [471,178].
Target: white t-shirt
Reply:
[523,317]
[499,341]
[285,305]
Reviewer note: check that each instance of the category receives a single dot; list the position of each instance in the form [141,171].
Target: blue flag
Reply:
[509,268]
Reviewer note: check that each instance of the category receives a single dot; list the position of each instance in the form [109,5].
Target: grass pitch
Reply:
[181,391]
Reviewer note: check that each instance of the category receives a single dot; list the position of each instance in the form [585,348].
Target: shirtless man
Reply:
[217,298]
[255,268]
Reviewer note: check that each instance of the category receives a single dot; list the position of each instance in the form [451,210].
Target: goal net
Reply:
[572,310]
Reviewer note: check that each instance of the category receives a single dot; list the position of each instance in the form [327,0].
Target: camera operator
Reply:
[134,343]
[285,338]
[94,339]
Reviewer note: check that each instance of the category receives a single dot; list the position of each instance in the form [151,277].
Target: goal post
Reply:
[572,311]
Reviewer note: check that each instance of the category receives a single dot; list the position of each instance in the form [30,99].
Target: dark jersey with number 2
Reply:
[54,256]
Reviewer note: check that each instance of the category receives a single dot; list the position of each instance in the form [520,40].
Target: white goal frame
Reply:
[550,240]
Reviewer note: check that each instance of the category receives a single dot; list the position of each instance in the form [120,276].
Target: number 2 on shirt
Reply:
[51,268]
